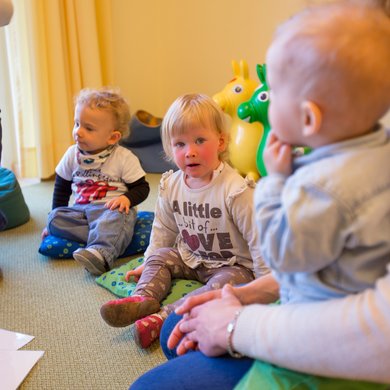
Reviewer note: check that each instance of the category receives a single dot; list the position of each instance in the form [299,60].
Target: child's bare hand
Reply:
[135,273]
[277,156]
[122,203]
[44,233]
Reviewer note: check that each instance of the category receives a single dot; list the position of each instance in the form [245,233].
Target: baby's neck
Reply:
[344,136]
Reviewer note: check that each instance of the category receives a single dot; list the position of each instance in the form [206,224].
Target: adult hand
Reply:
[197,300]
[205,325]
[277,156]
[135,273]
[176,335]
[122,202]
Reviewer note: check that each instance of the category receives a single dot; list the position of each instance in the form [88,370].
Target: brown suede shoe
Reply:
[123,312]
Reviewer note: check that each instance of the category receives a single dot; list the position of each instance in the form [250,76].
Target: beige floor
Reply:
[58,303]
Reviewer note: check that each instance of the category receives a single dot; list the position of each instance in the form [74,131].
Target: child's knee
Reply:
[164,254]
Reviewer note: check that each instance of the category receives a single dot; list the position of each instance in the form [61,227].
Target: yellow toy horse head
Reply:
[244,136]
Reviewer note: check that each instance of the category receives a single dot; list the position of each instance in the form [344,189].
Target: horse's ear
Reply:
[244,70]
[261,72]
[236,68]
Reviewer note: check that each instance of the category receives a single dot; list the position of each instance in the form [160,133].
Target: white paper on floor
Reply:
[14,364]
[12,341]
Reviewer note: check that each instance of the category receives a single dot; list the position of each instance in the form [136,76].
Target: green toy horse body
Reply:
[256,110]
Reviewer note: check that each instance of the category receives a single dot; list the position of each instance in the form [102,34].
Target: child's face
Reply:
[196,153]
[283,112]
[94,129]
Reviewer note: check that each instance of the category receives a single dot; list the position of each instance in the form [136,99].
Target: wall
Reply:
[162,49]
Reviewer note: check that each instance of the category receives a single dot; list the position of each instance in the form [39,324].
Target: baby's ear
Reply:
[311,118]
[115,137]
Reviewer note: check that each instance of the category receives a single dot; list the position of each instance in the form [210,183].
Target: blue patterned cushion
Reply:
[61,248]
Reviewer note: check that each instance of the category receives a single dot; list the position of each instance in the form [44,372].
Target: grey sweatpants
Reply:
[107,231]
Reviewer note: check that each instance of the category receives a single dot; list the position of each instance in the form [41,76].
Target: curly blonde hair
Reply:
[108,99]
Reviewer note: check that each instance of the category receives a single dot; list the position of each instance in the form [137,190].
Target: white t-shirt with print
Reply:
[97,178]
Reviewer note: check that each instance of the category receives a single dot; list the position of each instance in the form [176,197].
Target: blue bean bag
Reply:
[61,248]
[13,208]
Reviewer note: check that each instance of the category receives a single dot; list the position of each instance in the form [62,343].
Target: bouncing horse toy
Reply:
[256,110]
[244,136]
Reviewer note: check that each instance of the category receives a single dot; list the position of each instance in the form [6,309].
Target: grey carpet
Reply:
[58,302]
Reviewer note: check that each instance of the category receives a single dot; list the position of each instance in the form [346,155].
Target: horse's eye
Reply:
[263,96]
[237,89]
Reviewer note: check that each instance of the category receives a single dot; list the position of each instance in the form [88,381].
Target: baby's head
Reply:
[328,70]
[192,111]
[108,100]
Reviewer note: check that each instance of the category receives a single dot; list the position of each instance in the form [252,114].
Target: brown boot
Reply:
[123,312]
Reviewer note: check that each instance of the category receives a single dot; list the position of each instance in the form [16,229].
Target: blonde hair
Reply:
[108,99]
[188,111]
[339,52]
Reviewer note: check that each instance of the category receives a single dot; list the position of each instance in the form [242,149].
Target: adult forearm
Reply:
[262,290]
[347,338]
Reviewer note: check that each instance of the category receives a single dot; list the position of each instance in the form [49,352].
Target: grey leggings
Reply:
[166,264]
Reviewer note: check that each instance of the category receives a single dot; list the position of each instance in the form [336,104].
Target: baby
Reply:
[324,218]
[106,179]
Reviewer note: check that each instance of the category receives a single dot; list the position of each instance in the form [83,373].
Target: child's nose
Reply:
[191,151]
[78,131]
